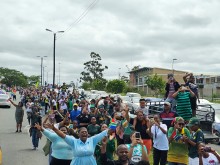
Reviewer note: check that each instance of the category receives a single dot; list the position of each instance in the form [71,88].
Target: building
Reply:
[139,76]
[209,85]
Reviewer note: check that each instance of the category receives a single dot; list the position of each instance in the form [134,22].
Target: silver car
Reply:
[4,101]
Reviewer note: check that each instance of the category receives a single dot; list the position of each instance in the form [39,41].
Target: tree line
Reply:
[92,78]
[12,77]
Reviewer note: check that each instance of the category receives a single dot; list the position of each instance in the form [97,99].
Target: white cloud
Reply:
[135,32]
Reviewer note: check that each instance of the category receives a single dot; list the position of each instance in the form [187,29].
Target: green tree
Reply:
[86,85]
[136,68]
[116,86]
[93,69]
[156,83]
[99,84]
[12,77]
[33,79]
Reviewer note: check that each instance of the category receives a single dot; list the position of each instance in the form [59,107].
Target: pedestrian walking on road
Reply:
[19,114]
[36,135]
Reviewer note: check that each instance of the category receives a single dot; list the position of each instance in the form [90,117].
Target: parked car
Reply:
[131,94]
[102,93]
[203,101]
[4,101]
[126,99]
[154,101]
[216,129]
[93,96]
[136,100]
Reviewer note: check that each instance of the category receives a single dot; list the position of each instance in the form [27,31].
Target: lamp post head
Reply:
[49,30]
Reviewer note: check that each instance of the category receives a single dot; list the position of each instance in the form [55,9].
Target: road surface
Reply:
[17,147]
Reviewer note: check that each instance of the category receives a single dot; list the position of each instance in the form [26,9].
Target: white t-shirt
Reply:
[63,106]
[145,110]
[54,102]
[137,152]
[211,160]
[28,109]
[159,138]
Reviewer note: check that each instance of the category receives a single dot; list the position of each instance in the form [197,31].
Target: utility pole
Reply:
[172,64]
[54,48]
[41,69]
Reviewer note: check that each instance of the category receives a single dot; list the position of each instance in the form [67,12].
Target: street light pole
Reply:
[54,48]
[41,68]
[43,75]
[59,73]
[172,64]
[119,73]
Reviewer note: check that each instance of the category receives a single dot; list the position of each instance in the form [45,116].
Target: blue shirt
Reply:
[84,152]
[60,149]
[74,114]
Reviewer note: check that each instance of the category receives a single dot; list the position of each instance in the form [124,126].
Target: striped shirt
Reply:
[167,118]
[183,107]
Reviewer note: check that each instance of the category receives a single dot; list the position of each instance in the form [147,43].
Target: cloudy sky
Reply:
[149,33]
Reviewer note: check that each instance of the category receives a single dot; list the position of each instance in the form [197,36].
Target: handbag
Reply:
[46,147]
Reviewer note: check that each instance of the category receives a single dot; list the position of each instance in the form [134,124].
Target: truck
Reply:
[205,113]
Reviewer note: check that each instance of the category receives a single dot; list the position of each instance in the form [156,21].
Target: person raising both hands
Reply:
[83,148]
[61,151]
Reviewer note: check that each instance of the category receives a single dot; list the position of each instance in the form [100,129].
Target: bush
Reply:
[116,86]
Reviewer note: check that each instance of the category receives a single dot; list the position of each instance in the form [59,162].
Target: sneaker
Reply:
[20,131]
[34,148]
[16,131]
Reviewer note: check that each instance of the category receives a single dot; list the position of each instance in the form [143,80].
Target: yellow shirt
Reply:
[178,150]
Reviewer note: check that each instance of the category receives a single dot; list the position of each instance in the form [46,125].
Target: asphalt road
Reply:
[17,147]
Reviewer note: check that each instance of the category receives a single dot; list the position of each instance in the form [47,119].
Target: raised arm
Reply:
[176,93]
[62,123]
[58,132]
[12,102]
[50,135]
[127,113]
[97,138]
[103,157]
[185,77]
[191,92]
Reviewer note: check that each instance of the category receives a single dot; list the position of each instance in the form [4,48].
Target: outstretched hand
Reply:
[126,108]
[38,126]
[49,125]
[104,140]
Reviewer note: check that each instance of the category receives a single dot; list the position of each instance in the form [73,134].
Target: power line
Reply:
[80,17]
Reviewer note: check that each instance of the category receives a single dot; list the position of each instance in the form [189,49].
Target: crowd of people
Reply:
[101,131]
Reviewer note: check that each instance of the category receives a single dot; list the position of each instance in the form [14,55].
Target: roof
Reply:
[149,68]
[140,69]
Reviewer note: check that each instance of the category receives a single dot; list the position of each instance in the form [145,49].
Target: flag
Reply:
[113,124]
[37,84]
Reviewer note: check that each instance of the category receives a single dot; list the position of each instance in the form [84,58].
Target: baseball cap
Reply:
[101,106]
[193,121]
[167,103]
[92,106]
